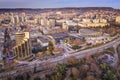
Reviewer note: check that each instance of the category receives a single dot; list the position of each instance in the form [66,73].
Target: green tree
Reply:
[61,68]
[104,67]
[68,40]
[108,74]
[75,72]
[37,78]
[27,76]
[76,47]
[72,60]
[59,76]
[19,77]
[44,50]
[50,47]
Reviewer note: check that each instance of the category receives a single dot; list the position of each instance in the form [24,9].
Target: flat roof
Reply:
[87,31]
[42,39]
[59,35]
[78,37]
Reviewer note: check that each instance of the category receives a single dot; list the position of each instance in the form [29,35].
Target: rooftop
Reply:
[43,40]
[87,31]
[59,35]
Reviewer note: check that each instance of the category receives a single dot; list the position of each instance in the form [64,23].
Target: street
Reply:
[61,59]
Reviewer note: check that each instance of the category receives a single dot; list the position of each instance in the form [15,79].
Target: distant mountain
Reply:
[83,8]
[17,9]
[47,9]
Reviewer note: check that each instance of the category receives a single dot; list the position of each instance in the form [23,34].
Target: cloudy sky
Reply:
[58,3]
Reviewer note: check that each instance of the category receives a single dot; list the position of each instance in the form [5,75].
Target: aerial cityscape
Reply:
[59,40]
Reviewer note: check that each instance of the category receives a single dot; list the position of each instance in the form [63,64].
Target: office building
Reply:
[22,50]
[51,22]
[118,19]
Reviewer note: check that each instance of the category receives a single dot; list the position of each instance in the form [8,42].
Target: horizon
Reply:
[61,8]
[58,3]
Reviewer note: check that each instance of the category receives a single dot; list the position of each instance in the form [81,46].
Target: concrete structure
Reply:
[89,33]
[22,49]
[64,26]
[92,24]
[94,37]
[56,38]
[51,22]
[43,21]
[43,41]
[19,37]
[67,24]
[60,59]
[118,19]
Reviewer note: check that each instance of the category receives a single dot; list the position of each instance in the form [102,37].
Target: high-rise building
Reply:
[19,37]
[44,21]
[12,19]
[22,49]
[16,19]
[21,18]
[51,22]
[118,19]
[64,26]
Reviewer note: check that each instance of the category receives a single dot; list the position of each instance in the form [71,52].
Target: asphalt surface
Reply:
[45,64]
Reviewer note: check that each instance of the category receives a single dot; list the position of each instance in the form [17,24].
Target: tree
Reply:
[88,57]
[39,55]
[83,70]
[50,47]
[44,49]
[72,60]
[27,76]
[59,76]
[107,73]
[104,67]
[37,78]
[76,47]
[90,78]
[77,42]
[75,72]
[68,40]
[61,68]
[19,77]
[111,75]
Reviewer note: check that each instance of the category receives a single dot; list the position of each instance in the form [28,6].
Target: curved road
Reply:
[42,65]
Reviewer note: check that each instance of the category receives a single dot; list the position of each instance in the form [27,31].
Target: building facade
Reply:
[118,19]
[22,49]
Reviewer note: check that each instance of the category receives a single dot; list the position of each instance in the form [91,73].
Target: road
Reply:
[42,65]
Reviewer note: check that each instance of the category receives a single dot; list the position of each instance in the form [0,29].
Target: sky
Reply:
[58,3]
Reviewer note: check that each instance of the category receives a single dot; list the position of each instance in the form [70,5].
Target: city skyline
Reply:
[59,40]
[58,3]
